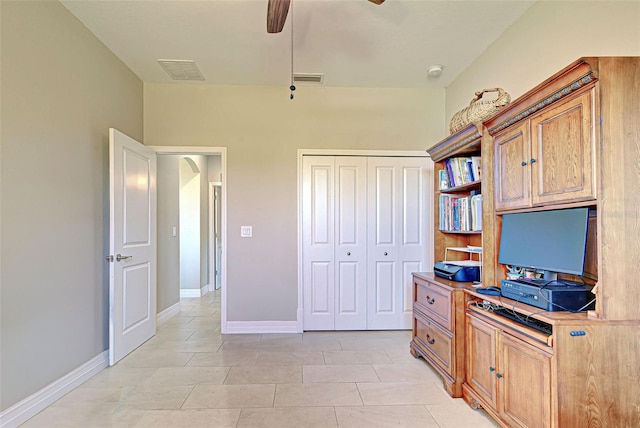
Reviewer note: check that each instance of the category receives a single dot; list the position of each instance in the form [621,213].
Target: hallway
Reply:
[189,375]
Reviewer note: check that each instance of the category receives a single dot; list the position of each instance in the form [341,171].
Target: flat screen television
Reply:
[549,241]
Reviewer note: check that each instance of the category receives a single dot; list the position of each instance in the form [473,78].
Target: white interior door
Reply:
[132,245]
[398,223]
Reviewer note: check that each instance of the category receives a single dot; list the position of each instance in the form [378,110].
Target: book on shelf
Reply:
[444,179]
[475,167]
[461,170]
[460,213]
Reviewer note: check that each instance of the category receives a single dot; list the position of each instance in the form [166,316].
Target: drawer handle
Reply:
[431,300]
[524,163]
[430,340]
[499,375]
[492,369]
[533,160]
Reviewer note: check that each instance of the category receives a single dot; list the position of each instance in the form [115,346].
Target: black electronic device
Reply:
[491,291]
[551,241]
[454,272]
[552,296]
[524,320]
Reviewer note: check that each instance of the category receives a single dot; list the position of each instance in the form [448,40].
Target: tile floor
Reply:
[189,375]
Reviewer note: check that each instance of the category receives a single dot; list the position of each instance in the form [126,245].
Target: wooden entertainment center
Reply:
[572,141]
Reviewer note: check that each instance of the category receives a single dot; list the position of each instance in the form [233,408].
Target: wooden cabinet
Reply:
[438,327]
[482,345]
[570,141]
[577,135]
[507,376]
[549,158]
[581,375]
[513,178]
[524,383]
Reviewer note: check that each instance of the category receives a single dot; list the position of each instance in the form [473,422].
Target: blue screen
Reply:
[554,241]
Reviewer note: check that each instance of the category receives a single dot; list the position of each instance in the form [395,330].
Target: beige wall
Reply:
[168,291]
[61,91]
[548,37]
[263,130]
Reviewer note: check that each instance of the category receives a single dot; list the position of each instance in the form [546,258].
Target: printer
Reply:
[462,271]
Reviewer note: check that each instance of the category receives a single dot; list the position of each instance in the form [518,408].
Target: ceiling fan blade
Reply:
[378,2]
[277,15]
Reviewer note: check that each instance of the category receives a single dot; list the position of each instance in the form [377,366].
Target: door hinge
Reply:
[109,258]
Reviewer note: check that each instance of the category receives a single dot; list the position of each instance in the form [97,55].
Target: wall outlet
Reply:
[246,231]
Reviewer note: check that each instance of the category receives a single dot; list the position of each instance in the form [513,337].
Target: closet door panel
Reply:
[351,243]
[318,243]
[413,215]
[383,309]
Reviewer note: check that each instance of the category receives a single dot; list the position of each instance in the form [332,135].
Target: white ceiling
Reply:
[353,42]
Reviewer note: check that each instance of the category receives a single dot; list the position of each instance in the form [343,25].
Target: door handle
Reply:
[119,257]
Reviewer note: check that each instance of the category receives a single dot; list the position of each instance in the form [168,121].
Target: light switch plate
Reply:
[246,231]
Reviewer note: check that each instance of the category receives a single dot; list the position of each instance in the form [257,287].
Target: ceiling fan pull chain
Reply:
[292,87]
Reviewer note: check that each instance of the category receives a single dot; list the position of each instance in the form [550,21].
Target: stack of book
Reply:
[461,213]
[459,171]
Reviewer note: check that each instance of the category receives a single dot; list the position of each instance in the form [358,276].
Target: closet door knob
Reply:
[385,253]
[348,253]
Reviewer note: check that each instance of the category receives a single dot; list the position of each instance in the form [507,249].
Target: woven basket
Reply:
[479,110]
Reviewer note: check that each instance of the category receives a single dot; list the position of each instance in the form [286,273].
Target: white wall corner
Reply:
[167,314]
[195,292]
[22,411]
[189,292]
[258,327]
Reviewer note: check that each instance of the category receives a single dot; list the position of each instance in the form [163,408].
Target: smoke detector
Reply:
[434,71]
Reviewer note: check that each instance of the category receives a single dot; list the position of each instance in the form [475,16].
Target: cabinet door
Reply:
[562,155]
[481,359]
[512,171]
[524,384]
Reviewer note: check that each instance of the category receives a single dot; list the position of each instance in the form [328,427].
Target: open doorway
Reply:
[202,171]
[215,234]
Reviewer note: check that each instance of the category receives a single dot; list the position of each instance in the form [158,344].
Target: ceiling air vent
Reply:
[179,69]
[308,78]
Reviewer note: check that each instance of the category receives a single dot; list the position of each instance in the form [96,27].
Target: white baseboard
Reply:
[22,411]
[167,314]
[257,327]
[300,320]
[194,292]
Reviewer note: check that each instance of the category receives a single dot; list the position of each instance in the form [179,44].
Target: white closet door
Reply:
[397,238]
[350,243]
[318,242]
[415,248]
[334,243]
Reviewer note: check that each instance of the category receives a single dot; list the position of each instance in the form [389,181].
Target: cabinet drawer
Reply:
[434,341]
[434,301]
